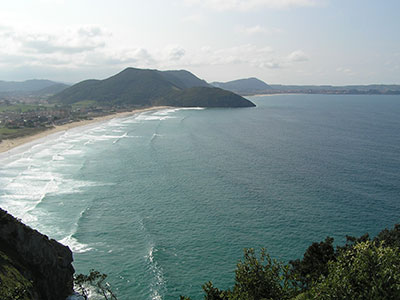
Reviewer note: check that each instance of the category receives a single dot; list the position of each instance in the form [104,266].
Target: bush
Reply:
[367,271]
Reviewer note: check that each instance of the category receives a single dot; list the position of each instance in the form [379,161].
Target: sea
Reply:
[166,200]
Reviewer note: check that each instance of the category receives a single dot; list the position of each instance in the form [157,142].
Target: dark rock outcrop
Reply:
[42,261]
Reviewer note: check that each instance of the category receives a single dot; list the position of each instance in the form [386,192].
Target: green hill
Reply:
[51,90]
[151,87]
[25,86]
[247,86]
[208,97]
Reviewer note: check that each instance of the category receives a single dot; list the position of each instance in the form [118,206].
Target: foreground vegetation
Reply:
[363,268]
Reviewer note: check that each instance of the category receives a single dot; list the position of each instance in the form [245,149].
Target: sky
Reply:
[336,42]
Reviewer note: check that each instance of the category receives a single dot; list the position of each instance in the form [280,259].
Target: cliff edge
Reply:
[32,266]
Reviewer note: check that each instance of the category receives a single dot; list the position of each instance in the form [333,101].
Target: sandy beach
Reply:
[7,145]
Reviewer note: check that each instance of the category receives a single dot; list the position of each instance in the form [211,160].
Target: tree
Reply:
[391,238]
[367,271]
[96,280]
[256,279]
[314,263]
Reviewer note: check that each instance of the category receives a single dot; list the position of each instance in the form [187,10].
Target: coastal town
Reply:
[21,119]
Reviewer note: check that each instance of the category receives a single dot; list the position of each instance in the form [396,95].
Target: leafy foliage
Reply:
[256,278]
[96,280]
[390,238]
[314,263]
[361,269]
[367,271]
[13,284]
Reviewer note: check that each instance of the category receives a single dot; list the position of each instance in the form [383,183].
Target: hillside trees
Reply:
[361,269]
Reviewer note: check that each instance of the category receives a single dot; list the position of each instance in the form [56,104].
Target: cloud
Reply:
[196,18]
[345,70]
[271,65]
[92,31]
[82,39]
[50,44]
[38,48]
[139,57]
[247,5]
[297,56]
[175,52]
[257,29]
[243,54]
[247,54]
[86,48]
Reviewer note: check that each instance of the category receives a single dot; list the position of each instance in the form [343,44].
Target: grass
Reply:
[8,133]
[13,285]
[23,107]
[85,104]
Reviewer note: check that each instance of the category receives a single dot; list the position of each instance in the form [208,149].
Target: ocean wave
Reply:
[154,136]
[74,245]
[130,120]
[121,137]
[23,192]
[58,157]
[71,152]
[157,286]
[153,118]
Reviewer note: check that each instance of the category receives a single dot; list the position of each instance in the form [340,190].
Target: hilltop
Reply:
[247,86]
[26,86]
[144,87]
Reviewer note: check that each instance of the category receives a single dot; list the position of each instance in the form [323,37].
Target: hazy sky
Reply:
[279,41]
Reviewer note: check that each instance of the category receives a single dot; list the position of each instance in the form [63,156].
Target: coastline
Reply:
[9,144]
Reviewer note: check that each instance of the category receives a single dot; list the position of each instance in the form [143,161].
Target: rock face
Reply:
[42,261]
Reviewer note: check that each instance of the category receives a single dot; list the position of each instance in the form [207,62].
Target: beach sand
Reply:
[7,145]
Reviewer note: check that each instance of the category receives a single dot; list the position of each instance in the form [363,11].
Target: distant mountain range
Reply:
[372,89]
[33,85]
[36,88]
[254,86]
[145,87]
[244,86]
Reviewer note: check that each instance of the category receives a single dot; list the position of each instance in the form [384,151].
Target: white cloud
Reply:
[297,56]
[175,52]
[246,5]
[251,55]
[86,48]
[243,54]
[81,39]
[257,29]
[345,70]
[81,47]
[247,54]
[196,18]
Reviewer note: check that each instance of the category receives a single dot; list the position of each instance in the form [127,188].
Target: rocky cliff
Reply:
[32,266]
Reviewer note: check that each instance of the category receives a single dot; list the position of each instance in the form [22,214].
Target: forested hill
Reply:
[151,87]
[247,86]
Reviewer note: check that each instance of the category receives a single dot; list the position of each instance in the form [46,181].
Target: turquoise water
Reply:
[166,200]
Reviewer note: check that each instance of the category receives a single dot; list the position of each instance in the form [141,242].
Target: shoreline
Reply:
[9,144]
